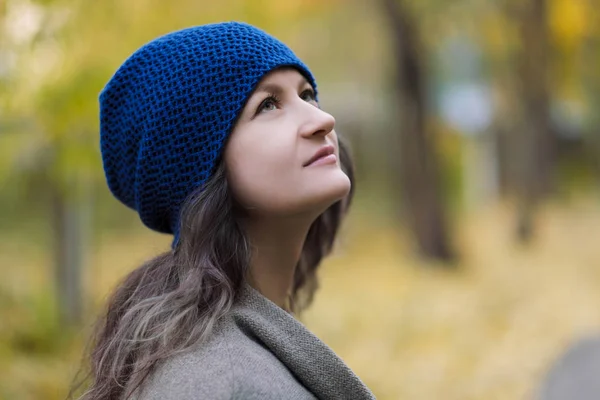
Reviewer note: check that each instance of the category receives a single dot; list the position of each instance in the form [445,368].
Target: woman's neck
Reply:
[276,248]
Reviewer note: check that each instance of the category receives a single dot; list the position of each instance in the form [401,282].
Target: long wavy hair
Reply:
[174,300]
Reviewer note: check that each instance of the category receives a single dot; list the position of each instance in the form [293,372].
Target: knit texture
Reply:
[257,352]
[166,113]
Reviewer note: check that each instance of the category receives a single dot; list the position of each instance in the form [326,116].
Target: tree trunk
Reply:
[68,256]
[535,141]
[416,157]
[481,170]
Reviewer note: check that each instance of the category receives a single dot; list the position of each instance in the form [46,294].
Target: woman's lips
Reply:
[328,159]
[322,156]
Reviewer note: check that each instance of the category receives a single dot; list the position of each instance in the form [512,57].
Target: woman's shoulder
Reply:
[230,364]
[203,371]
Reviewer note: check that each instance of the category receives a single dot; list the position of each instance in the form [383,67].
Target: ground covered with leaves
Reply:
[410,329]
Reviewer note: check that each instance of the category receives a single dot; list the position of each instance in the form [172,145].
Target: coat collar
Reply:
[313,363]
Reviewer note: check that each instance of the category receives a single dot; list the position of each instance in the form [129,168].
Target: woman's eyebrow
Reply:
[269,88]
[277,89]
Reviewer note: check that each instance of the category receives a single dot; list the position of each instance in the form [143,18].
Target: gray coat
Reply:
[259,351]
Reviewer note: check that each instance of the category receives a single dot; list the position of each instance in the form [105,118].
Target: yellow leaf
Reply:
[569,22]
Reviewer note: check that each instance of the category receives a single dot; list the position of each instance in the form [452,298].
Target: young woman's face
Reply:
[282,156]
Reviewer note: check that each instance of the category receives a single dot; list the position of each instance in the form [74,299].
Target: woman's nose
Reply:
[316,121]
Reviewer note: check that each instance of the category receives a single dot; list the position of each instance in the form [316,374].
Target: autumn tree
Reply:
[417,163]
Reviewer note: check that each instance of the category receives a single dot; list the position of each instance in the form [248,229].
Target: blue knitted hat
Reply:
[168,110]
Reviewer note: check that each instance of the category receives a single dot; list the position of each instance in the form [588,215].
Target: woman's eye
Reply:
[268,104]
[272,102]
[309,95]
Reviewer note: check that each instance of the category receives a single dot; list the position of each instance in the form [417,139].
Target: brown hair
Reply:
[174,300]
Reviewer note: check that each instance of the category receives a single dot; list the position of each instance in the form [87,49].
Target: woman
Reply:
[214,134]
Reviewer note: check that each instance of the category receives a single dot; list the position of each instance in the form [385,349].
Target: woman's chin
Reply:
[312,197]
[329,191]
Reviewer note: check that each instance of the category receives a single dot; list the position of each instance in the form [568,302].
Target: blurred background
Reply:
[470,260]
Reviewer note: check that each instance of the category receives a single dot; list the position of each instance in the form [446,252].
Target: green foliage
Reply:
[34,325]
